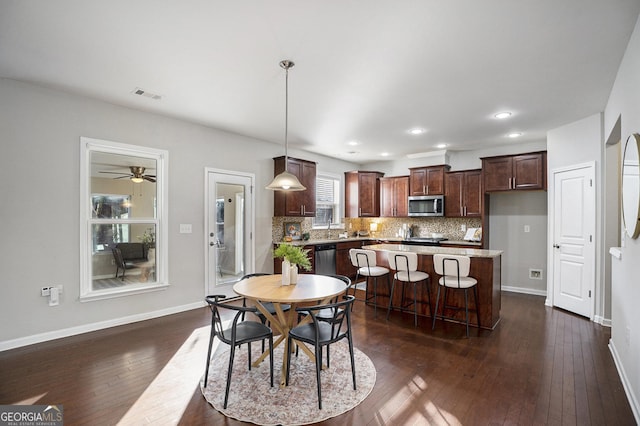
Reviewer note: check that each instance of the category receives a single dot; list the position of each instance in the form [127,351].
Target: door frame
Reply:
[596,234]
[250,225]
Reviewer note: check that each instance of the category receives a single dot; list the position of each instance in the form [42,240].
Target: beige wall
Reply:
[40,130]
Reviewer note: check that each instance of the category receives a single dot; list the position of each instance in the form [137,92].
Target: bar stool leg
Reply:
[415,304]
[435,315]
[375,297]
[393,286]
[475,298]
[466,309]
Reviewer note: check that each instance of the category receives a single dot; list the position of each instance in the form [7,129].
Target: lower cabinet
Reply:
[343,261]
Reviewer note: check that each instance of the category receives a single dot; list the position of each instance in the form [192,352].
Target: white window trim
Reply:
[87,146]
[340,178]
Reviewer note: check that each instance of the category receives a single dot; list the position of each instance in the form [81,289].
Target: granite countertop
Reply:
[431,250]
[370,238]
[326,241]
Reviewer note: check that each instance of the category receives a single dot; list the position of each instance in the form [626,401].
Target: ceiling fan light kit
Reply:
[137,175]
[286,181]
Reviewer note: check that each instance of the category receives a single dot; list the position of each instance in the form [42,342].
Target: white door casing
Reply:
[245,226]
[574,229]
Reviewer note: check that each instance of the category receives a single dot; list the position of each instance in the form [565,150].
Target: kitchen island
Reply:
[485,267]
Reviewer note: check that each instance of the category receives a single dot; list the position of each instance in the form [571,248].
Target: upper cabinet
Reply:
[427,180]
[394,195]
[362,194]
[296,203]
[463,194]
[515,172]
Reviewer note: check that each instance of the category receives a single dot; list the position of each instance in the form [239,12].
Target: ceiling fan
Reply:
[137,174]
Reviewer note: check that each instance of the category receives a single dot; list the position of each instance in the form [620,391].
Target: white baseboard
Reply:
[633,401]
[605,322]
[86,328]
[524,290]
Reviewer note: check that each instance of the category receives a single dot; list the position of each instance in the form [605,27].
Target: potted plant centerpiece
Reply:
[292,257]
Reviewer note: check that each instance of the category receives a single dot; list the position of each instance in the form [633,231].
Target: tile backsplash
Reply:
[387,227]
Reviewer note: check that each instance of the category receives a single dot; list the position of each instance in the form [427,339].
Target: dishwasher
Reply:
[325,259]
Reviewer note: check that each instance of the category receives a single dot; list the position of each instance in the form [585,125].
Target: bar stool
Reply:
[406,266]
[365,262]
[455,275]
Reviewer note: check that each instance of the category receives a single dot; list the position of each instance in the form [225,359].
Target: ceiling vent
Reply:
[141,92]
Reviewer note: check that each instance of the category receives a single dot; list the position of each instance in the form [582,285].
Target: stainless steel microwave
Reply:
[426,205]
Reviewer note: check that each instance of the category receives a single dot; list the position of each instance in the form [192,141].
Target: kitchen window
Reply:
[328,200]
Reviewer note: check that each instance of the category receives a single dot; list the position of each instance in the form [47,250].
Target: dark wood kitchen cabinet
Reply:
[394,194]
[296,203]
[427,180]
[362,194]
[515,172]
[343,260]
[463,194]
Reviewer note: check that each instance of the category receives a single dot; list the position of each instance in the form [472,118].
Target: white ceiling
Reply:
[366,70]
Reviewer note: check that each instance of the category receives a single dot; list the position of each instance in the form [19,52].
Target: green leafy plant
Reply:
[148,238]
[296,255]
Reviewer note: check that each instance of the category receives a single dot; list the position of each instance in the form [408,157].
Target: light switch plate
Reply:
[185,228]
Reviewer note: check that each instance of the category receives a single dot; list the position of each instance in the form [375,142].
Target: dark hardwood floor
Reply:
[539,366]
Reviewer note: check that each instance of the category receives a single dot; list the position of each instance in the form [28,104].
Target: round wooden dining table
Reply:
[310,288]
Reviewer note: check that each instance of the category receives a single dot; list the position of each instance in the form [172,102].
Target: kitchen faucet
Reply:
[329,226]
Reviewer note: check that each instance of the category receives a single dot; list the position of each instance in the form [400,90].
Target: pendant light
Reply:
[286,181]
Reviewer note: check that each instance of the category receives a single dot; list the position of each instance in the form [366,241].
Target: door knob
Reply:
[556,246]
[211,234]
[211,243]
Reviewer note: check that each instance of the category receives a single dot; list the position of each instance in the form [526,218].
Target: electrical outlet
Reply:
[535,274]
[463,227]
[527,228]
[113,262]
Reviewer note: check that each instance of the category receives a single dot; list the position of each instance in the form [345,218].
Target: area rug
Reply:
[251,399]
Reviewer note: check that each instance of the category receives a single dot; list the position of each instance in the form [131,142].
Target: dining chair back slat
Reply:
[237,334]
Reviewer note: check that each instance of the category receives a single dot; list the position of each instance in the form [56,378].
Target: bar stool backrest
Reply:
[451,265]
[361,258]
[403,261]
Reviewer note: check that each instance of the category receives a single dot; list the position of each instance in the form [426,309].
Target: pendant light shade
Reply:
[286,181]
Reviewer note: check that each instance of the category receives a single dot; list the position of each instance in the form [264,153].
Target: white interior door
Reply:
[573,239]
[229,227]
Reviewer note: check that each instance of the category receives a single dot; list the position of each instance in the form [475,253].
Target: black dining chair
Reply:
[239,333]
[324,332]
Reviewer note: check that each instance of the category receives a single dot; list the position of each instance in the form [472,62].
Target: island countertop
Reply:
[431,250]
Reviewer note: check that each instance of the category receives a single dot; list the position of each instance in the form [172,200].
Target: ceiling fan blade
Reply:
[123,177]
[149,178]
[115,173]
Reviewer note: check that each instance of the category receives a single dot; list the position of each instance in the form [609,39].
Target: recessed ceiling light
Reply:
[385,154]
[417,131]
[502,115]
[514,135]
[442,145]
[353,143]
